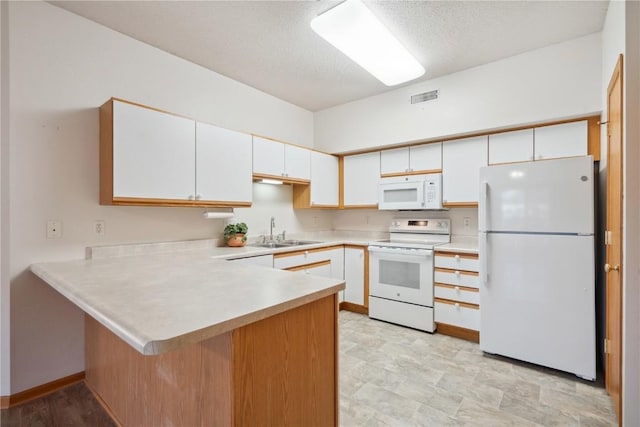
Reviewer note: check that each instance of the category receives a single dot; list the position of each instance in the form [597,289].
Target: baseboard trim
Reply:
[356,308]
[104,405]
[458,332]
[39,391]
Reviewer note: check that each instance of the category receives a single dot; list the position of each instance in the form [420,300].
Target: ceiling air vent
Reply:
[423,97]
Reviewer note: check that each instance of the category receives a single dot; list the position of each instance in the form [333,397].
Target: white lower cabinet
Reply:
[456,294]
[263,260]
[354,275]
[326,262]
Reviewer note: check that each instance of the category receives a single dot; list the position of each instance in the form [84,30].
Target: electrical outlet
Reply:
[466,222]
[98,227]
[54,229]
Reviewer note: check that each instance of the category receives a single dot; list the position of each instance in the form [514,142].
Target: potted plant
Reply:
[236,234]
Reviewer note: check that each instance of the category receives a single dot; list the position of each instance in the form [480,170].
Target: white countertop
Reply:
[462,244]
[164,301]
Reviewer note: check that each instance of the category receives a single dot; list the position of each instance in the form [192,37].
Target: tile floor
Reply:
[395,376]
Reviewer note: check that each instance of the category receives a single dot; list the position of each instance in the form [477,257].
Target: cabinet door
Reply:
[297,162]
[563,140]
[153,154]
[426,157]
[394,161]
[223,165]
[461,161]
[361,177]
[268,157]
[324,179]
[354,275]
[509,147]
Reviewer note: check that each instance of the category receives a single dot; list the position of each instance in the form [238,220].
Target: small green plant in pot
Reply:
[236,234]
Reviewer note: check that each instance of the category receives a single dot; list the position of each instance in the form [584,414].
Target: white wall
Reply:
[558,81]
[375,220]
[5,367]
[63,68]
[631,293]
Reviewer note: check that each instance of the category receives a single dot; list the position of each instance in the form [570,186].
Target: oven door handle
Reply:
[426,253]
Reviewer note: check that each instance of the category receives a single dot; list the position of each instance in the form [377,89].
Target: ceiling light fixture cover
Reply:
[354,30]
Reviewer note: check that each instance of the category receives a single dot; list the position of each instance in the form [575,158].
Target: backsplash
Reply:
[375,220]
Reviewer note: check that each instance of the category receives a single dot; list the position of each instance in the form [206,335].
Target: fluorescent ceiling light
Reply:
[270,181]
[354,30]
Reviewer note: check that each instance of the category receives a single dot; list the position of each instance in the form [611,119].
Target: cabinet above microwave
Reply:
[414,192]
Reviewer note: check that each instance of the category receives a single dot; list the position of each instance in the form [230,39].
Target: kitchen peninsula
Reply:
[185,339]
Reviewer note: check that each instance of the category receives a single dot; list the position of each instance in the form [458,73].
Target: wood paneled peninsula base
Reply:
[182,339]
[281,370]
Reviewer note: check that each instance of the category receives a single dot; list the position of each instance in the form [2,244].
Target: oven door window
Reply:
[399,273]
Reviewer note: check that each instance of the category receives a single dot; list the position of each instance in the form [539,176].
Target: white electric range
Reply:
[401,272]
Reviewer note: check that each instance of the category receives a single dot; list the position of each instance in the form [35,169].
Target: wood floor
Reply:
[394,376]
[71,406]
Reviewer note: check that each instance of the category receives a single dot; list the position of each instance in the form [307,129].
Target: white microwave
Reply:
[412,192]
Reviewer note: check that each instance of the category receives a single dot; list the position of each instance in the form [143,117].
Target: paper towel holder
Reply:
[218,214]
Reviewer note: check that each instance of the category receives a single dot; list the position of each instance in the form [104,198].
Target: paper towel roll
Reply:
[218,215]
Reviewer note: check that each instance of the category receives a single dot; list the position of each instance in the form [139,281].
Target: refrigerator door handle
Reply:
[483,257]
[484,209]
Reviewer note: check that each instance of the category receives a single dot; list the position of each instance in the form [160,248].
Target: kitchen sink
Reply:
[284,244]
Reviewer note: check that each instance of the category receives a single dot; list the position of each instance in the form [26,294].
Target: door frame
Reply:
[613,244]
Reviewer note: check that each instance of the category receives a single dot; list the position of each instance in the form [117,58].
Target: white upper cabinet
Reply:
[324,180]
[394,161]
[153,154]
[275,159]
[297,162]
[509,147]
[268,157]
[361,177]
[416,159]
[223,165]
[461,162]
[563,140]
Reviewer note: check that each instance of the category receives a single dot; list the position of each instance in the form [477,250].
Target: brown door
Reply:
[613,266]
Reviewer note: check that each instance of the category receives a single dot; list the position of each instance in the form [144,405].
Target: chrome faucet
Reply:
[272,225]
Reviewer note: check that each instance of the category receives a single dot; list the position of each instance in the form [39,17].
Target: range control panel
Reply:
[408,225]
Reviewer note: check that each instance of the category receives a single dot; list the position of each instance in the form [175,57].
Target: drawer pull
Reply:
[457,257]
[457,273]
[457,288]
[457,305]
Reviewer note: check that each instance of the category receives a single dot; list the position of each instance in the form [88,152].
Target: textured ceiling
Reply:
[269,45]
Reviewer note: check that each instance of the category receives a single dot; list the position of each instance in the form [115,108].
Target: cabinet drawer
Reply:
[457,261]
[457,293]
[456,277]
[457,314]
[293,259]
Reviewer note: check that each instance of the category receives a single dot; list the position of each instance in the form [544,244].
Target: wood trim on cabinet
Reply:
[469,135]
[593,137]
[134,201]
[41,390]
[419,172]
[302,198]
[284,179]
[355,308]
[310,265]
[462,288]
[462,304]
[454,254]
[360,206]
[341,182]
[106,153]
[303,251]
[104,405]
[458,332]
[460,204]
[454,271]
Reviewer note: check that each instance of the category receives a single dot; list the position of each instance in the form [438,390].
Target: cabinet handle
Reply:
[457,273]
[306,253]
[457,288]
[190,196]
[457,257]
[198,196]
[457,305]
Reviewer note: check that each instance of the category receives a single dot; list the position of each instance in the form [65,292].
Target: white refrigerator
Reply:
[536,244]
